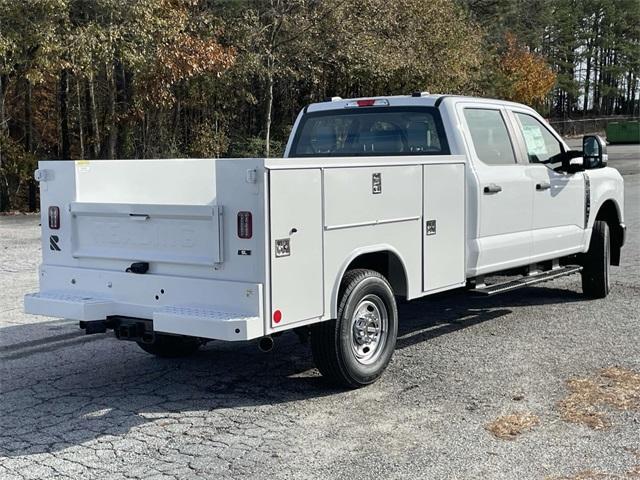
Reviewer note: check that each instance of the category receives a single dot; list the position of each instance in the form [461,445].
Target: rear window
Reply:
[369,131]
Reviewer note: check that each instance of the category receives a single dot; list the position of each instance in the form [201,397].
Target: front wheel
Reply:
[595,272]
[354,349]
[171,346]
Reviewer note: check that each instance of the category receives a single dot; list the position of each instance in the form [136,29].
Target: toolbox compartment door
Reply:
[296,245]
[443,229]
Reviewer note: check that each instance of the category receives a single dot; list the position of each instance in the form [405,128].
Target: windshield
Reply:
[370,131]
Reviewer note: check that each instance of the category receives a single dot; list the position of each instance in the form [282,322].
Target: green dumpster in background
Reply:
[623,132]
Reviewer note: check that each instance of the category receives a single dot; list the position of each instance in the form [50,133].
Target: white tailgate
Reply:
[185,234]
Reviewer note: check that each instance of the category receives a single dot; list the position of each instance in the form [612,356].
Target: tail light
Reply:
[245,225]
[54,218]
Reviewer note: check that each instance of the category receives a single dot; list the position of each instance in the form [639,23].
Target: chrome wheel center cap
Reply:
[367,329]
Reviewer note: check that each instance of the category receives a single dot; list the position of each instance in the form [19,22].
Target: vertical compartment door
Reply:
[296,245]
[444,226]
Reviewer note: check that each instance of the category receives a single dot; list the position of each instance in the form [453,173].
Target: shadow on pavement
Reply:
[57,399]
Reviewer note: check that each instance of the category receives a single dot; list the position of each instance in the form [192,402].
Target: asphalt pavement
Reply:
[74,406]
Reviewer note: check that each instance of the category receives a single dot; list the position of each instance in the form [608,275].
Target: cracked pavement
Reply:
[75,406]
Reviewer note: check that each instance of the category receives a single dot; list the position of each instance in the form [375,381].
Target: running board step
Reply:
[527,281]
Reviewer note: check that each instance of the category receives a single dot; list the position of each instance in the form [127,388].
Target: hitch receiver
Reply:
[93,326]
[125,328]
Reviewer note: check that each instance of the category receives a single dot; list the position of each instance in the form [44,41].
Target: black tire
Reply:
[595,273]
[339,353]
[171,346]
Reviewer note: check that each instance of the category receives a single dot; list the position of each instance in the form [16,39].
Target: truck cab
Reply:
[522,206]
[374,199]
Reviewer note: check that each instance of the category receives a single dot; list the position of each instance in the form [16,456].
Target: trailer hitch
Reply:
[125,328]
[91,327]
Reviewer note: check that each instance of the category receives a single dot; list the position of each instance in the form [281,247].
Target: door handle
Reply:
[492,188]
[140,217]
[543,186]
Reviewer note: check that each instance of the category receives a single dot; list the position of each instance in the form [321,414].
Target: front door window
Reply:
[541,144]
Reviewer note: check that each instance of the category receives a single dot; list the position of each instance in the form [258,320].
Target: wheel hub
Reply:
[369,329]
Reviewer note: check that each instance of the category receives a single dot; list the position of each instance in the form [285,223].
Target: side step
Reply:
[527,281]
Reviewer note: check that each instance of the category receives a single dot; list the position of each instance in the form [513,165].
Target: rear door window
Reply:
[370,131]
[490,136]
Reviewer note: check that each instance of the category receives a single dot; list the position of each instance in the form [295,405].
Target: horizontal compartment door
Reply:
[368,195]
[183,234]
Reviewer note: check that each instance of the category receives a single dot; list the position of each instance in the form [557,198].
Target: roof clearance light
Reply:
[369,102]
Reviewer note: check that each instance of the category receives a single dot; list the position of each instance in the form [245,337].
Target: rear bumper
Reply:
[203,308]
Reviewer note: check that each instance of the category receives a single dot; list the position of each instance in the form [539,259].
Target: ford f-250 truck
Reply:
[375,199]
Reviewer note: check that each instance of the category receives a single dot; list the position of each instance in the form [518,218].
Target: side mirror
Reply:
[594,150]
[566,158]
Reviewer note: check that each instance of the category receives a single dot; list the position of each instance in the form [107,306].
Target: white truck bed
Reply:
[180,217]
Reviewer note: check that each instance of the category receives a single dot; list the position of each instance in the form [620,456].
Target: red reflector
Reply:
[366,103]
[245,225]
[277,316]
[54,218]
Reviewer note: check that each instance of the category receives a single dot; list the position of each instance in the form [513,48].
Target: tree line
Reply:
[210,78]
[593,46]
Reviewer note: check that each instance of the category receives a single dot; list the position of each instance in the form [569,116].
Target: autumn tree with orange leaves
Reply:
[529,78]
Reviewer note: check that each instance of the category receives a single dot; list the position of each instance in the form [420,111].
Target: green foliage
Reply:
[254,147]
[16,166]
[593,46]
[29,41]
[403,45]
[209,142]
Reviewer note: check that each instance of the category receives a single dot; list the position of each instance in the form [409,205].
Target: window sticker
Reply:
[534,140]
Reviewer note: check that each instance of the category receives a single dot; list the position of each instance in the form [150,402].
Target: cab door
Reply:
[558,197]
[501,204]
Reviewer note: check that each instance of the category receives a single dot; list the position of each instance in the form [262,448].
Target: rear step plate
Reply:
[527,281]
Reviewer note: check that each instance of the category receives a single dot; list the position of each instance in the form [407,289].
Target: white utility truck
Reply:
[375,198]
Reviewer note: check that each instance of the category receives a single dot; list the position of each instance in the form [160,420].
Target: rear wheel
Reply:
[171,346]
[355,349]
[595,273]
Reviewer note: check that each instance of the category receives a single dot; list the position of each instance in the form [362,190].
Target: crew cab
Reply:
[375,199]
